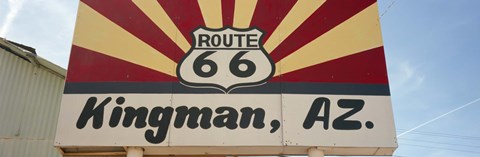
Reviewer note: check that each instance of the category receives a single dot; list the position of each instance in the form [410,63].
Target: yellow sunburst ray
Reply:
[157,14]
[295,17]
[243,13]
[99,34]
[359,33]
[212,13]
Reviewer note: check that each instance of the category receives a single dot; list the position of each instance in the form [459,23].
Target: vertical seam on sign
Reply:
[212,13]
[298,14]
[158,15]
[363,20]
[243,13]
[171,105]
[281,108]
[149,58]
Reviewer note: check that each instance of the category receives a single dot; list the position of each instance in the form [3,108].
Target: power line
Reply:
[441,148]
[442,143]
[439,134]
[388,8]
[447,135]
[431,132]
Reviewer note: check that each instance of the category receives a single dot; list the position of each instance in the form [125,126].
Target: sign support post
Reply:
[134,152]
[315,152]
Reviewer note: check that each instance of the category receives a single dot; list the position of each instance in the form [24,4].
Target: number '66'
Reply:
[234,65]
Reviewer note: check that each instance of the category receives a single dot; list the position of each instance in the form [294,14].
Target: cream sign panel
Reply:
[225,120]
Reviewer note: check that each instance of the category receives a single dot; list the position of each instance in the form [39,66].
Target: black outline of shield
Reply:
[226,90]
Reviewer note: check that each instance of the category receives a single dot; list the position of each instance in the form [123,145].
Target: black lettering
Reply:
[239,37]
[228,120]
[340,123]
[228,40]
[193,115]
[90,111]
[248,113]
[203,39]
[140,116]
[237,61]
[159,118]
[275,125]
[313,113]
[163,123]
[216,40]
[252,42]
[116,113]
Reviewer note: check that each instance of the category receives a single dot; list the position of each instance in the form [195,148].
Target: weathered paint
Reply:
[162,57]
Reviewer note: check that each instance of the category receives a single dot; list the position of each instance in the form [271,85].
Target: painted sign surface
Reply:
[228,77]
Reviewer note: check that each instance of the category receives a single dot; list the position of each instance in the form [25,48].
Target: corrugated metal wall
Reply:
[29,105]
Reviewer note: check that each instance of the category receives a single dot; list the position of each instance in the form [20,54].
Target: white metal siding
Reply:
[29,104]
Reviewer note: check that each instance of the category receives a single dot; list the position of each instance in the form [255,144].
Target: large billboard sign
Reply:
[253,77]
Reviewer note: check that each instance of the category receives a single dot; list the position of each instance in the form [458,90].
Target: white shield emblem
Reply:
[225,59]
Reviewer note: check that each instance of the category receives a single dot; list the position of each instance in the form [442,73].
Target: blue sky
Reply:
[432,51]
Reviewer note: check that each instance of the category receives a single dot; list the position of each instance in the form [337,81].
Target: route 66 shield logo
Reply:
[225,59]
